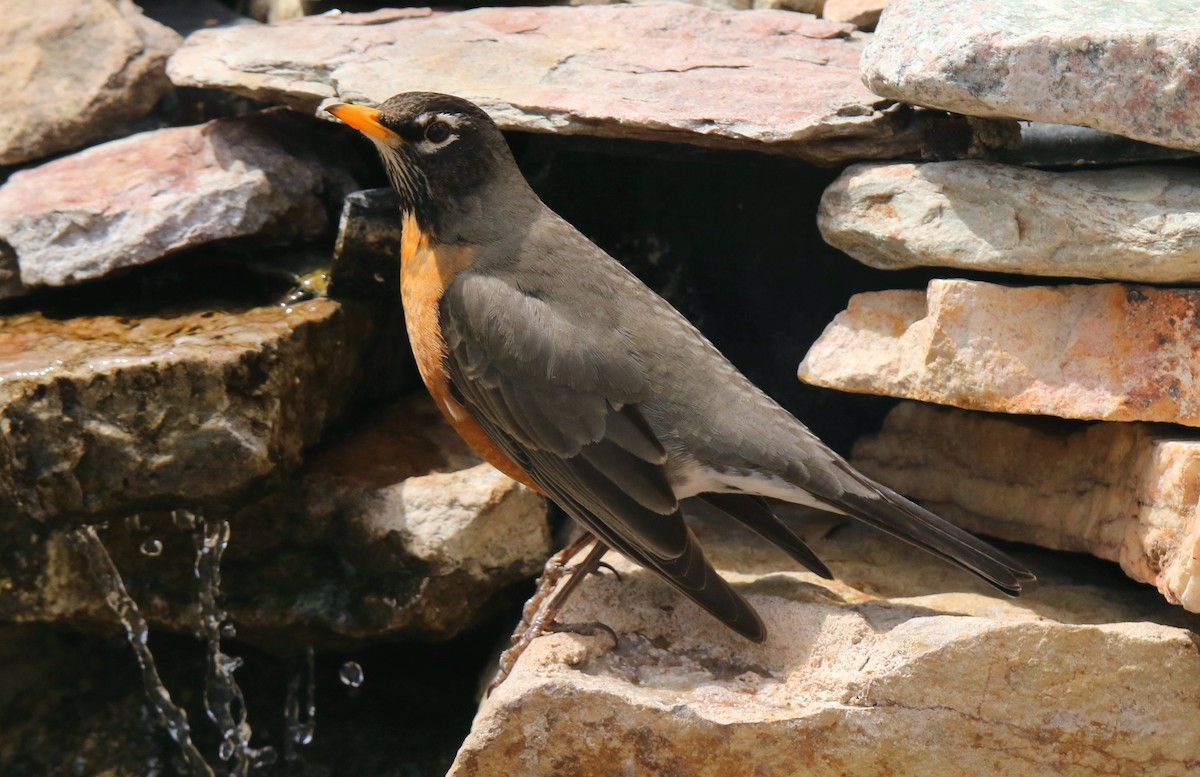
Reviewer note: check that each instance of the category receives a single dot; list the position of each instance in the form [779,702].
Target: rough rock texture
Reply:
[863,14]
[901,666]
[770,81]
[393,530]
[1135,224]
[1123,492]
[111,413]
[133,200]
[1107,352]
[75,71]
[1123,67]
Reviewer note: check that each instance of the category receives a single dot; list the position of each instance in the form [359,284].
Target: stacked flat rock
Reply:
[1116,351]
[152,385]
[774,81]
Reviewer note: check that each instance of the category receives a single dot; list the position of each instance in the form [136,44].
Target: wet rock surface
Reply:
[111,413]
[901,652]
[1116,66]
[393,530]
[76,71]
[1020,479]
[1130,223]
[1103,352]
[768,81]
[135,200]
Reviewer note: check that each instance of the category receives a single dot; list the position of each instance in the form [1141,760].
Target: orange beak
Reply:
[365,120]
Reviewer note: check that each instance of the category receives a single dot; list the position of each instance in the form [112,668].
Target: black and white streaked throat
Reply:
[436,149]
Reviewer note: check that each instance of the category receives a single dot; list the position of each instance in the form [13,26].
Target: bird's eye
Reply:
[437,132]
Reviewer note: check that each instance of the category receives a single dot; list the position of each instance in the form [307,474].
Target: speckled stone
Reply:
[134,200]
[771,81]
[1130,223]
[1128,66]
[901,666]
[1123,492]
[1106,352]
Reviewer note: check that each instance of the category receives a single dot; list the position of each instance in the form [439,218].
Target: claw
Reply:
[610,568]
[537,617]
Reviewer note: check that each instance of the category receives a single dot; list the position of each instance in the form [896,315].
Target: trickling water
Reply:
[351,674]
[300,731]
[223,699]
[102,569]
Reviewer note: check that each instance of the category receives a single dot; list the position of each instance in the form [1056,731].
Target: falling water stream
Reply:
[104,571]
[223,699]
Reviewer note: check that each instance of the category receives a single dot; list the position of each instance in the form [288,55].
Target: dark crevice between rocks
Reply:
[77,706]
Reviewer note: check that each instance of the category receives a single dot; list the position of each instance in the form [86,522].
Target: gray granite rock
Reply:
[76,71]
[902,665]
[134,200]
[1130,223]
[768,81]
[1125,67]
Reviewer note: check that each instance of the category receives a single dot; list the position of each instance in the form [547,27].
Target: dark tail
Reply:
[894,514]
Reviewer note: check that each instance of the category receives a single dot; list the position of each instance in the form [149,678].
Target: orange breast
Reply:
[426,269]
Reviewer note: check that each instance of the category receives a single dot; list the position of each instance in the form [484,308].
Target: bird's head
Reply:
[439,150]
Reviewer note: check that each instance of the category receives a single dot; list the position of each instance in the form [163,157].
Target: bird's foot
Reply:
[538,615]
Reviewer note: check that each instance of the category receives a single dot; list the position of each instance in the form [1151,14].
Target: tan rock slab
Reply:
[1123,492]
[901,666]
[1122,66]
[109,413]
[134,200]
[1103,352]
[76,71]
[768,81]
[863,14]
[1132,223]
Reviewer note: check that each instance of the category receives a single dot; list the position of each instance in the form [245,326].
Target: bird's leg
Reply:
[537,617]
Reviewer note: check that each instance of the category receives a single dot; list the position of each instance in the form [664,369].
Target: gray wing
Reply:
[562,401]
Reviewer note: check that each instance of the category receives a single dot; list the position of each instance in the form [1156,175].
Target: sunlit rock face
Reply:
[135,200]
[772,81]
[1101,352]
[119,412]
[903,664]
[1131,223]
[1019,478]
[77,71]
[1094,64]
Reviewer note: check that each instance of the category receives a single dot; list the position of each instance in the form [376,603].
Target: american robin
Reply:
[567,373]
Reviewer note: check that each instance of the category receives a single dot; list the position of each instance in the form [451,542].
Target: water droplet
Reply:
[351,674]
[228,630]
[152,548]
